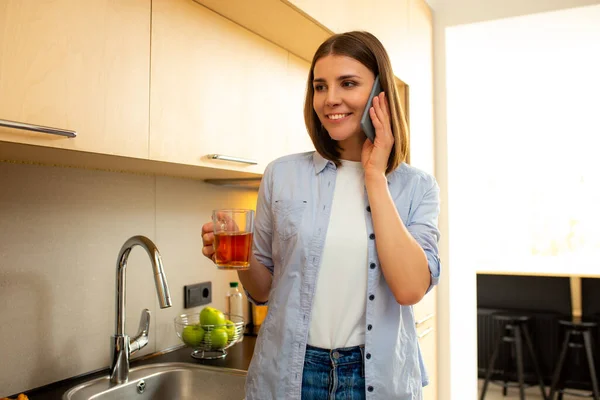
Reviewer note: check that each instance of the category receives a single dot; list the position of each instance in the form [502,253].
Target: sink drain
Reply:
[141,386]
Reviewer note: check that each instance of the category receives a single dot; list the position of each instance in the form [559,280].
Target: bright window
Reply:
[523,106]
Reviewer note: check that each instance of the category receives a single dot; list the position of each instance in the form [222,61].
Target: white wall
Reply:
[457,301]
[60,232]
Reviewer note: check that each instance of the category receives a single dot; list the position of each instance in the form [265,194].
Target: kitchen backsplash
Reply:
[60,232]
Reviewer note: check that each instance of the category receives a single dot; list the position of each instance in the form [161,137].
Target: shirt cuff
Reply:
[434,270]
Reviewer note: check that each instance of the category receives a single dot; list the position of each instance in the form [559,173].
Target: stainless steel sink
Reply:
[166,381]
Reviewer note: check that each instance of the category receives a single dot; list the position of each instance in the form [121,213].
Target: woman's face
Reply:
[341,89]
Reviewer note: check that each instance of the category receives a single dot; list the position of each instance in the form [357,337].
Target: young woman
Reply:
[345,243]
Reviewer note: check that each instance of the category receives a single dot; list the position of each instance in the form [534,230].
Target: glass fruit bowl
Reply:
[209,341]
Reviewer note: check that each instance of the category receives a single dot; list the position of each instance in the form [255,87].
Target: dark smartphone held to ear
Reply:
[365,122]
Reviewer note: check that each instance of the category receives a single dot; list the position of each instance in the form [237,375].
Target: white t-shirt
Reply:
[338,313]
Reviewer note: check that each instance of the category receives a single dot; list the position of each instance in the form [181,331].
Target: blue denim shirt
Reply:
[292,216]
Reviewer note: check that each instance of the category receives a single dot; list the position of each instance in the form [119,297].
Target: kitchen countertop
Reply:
[238,357]
[589,270]
[575,275]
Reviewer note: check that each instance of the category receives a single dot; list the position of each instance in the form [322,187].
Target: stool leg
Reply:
[558,369]
[488,373]
[534,359]
[520,372]
[587,340]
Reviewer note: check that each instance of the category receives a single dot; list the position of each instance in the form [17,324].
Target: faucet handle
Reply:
[141,338]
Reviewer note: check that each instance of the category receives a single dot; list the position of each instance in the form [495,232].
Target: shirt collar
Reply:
[320,162]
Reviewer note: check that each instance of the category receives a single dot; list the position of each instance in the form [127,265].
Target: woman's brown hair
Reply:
[368,50]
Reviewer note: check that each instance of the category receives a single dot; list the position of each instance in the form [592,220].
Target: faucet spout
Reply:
[120,345]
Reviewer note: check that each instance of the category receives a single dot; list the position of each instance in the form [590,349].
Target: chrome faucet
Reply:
[122,347]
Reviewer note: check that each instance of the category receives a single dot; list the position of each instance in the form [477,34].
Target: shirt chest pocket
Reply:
[288,216]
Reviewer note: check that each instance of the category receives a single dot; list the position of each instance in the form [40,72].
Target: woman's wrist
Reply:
[374,178]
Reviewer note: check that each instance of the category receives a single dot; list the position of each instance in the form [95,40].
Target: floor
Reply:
[494,392]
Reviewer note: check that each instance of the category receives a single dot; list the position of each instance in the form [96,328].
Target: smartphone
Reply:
[365,122]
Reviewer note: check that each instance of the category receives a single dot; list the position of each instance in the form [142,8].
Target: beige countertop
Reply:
[589,271]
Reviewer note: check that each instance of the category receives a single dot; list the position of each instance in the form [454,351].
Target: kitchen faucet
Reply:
[122,347]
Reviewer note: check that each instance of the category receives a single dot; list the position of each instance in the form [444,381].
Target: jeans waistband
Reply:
[340,356]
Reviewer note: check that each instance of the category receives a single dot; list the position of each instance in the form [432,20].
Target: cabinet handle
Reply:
[425,333]
[424,319]
[231,158]
[37,128]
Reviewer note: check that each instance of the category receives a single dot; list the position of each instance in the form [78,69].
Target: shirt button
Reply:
[373,265]
[368,356]
[369,327]
[372,236]
[371,297]
[369,208]
[370,388]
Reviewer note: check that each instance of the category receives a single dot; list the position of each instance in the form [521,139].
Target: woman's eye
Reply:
[319,88]
[348,84]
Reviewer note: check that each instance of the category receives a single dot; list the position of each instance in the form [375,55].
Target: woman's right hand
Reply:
[208,238]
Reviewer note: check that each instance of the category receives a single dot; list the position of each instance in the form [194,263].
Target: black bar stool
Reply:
[578,336]
[513,332]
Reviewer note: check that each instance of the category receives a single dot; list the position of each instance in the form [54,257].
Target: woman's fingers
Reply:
[208,251]
[207,227]
[376,121]
[381,107]
[208,238]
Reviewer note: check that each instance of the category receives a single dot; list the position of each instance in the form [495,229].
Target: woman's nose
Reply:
[333,98]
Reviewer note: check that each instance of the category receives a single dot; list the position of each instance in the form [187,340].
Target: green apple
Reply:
[230,329]
[192,335]
[218,338]
[211,316]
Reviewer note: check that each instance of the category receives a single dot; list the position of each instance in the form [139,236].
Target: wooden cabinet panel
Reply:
[330,14]
[427,306]
[428,343]
[298,139]
[425,319]
[77,65]
[215,88]
[387,19]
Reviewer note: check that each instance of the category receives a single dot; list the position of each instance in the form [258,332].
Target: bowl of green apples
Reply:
[210,332]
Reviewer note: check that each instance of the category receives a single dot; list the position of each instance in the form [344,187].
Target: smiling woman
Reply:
[345,243]
[334,104]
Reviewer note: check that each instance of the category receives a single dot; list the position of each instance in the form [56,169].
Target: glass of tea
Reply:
[233,229]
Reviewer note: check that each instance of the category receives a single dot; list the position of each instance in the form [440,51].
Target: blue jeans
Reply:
[337,374]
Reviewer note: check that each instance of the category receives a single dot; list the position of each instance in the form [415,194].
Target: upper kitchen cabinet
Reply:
[216,88]
[329,14]
[77,65]
[388,20]
[298,140]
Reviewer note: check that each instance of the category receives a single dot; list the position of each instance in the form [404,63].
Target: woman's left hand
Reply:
[375,155]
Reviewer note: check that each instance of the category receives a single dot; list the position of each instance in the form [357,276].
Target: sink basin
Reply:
[166,381]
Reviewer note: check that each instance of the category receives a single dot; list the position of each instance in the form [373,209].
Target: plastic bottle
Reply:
[234,301]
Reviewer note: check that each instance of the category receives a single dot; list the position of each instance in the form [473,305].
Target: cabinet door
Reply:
[77,65]
[327,13]
[427,342]
[387,19]
[425,319]
[298,140]
[216,88]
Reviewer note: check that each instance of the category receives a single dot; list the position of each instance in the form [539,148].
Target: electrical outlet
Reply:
[198,294]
